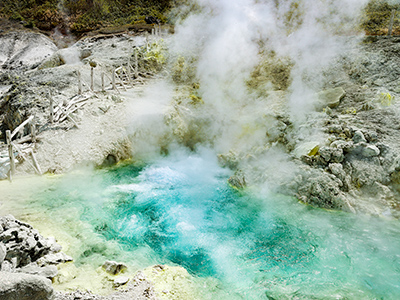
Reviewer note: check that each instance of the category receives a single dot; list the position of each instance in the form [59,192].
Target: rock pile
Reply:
[27,261]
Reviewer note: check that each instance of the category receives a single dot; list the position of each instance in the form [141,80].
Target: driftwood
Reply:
[68,112]
[26,139]
[36,163]
[33,132]
[11,155]
[16,130]
[79,83]
[114,86]
[136,65]
[113,80]
[37,170]
[72,120]
[76,103]
[92,78]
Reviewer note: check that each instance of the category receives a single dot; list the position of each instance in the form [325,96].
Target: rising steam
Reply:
[225,41]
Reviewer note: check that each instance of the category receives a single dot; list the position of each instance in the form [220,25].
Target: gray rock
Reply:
[30,243]
[337,170]
[325,153]
[34,269]
[371,151]
[8,235]
[53,259]
[358,137]
[330,98]
[321,189]
[306,148]
[113,267]
[337,155]
[371,136]
[16,286]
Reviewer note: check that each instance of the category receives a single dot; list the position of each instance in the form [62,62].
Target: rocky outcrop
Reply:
[26,250]
[27,261]
[24,49]
[24,287]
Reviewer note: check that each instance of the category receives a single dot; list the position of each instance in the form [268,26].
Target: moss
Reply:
[81,16]
[376,17]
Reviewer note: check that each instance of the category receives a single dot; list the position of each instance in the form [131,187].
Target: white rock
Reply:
[371,151]
[120,280]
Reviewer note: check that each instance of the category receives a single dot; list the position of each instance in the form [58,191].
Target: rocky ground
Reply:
[345,154]
[29,263]
[95,129]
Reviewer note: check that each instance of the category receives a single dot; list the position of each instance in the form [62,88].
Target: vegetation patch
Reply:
[80,16]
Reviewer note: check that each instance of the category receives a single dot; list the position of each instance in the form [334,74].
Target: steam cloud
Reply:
[226,36]
[224,39]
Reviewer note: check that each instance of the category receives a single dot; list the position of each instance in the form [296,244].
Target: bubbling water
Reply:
[180,210]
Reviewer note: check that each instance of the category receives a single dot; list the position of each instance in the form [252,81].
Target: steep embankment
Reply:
[86,128]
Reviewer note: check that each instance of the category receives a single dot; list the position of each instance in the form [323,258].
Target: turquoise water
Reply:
[180,210]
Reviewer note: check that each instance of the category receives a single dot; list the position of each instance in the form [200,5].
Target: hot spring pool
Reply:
[179,210]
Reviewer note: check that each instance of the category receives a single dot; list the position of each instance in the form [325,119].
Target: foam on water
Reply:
[180,210]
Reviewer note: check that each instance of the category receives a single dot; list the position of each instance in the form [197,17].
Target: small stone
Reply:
[6,266]
[120,280]
[238,180]
[22,234]
[371,151]
[358,137]
[371,136]
[113,267]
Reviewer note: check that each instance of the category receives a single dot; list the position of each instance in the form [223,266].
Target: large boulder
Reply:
[24,49]
[24,287]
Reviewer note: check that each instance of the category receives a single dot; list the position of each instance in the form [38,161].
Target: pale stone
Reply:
[371,151]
